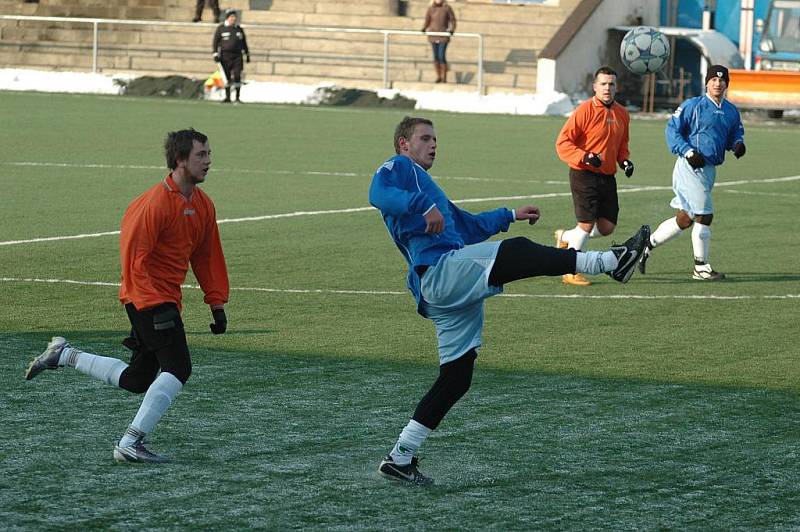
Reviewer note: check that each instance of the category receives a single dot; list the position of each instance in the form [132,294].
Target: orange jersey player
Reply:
[593,142]
[166,229]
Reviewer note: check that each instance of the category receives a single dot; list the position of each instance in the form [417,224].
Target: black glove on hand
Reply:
[216,58]
[627,167]
[247,58]
[165,316]
[592,159]
[695,159]
[739,150]
[220,324]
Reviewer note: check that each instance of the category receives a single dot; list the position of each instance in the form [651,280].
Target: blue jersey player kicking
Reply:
[699,133]
[452,268]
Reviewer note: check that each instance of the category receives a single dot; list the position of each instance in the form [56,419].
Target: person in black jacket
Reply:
[198,12]
[229,46]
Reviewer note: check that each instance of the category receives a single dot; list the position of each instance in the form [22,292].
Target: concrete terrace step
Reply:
[513,36]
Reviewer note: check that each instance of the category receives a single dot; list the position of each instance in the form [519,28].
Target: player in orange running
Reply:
[169,227]
[593,142]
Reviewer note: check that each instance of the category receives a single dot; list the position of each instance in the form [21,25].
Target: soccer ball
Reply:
[644,50]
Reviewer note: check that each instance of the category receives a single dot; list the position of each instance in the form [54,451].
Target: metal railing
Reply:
[96,22]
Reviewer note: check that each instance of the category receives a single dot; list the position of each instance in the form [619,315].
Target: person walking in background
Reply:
[198,10]
[593,142]
[163,231]
[699,132]
[452,269]
[440,18]
[229,45]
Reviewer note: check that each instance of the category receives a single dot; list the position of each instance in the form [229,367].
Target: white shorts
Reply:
[693,188]
[453,291]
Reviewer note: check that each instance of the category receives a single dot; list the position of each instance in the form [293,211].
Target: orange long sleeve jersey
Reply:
[593,127]
[162,233]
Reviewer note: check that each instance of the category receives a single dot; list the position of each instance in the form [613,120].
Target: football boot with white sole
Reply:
[137,452]
[704,272]
[406,473]
[628,254]
[47,360]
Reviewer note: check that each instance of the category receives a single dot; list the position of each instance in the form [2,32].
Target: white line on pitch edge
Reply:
[362,209]
[399,293]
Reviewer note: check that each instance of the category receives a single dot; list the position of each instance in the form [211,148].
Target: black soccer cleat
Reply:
[704,272]
[645,256]
[407,473]
[628,254]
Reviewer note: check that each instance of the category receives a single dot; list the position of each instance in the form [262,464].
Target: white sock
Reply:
[575,238]
[409,442]
[701,241]
[106,369]
[156,401]
[665,232]
[594,262]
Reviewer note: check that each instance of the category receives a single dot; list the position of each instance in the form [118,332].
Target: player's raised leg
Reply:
[59,354]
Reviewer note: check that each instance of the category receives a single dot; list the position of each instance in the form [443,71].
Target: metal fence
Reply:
[387,34]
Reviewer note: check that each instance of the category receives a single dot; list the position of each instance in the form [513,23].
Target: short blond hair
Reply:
[405,129]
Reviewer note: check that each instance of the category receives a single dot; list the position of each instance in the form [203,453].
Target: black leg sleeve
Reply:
[454,380]
[520,258]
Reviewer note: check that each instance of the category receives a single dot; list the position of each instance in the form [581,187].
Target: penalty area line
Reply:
[333,291]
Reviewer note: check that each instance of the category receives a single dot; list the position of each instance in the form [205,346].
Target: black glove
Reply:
[627,167]
[592,159]
[216,58]
[695,159]
[247,58]
[739,150]
[166,316]
[220,324]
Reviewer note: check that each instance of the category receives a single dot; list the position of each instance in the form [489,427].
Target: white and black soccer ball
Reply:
[644,50]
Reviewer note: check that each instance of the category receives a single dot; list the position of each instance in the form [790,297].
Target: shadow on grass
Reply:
[268,439]
[685,277]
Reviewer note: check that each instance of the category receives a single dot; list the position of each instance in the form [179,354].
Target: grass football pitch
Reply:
[665,403]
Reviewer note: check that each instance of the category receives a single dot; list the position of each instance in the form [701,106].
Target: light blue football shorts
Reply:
[453,291]
[693,187]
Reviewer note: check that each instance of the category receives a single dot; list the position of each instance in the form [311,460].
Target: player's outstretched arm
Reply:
[528,212]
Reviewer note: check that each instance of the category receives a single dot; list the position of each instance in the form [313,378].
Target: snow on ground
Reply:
[266,92]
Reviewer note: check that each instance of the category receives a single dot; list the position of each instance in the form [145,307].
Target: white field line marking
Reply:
[400,293]
[753,193]
[277,172]
[362,209]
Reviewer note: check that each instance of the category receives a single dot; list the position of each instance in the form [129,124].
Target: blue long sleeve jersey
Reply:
[702,125]
[404,192]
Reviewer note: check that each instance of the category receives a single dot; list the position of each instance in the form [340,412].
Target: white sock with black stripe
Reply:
[157,400]
[106,369]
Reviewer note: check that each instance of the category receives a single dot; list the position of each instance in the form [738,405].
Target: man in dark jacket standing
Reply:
[229,46]
[198,11]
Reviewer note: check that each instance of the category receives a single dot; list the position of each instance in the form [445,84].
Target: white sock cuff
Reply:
[156,401]
[575,238]
[106,369]
[701,241]
[666,231]
[411,439]
[417,428]
[594,262]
